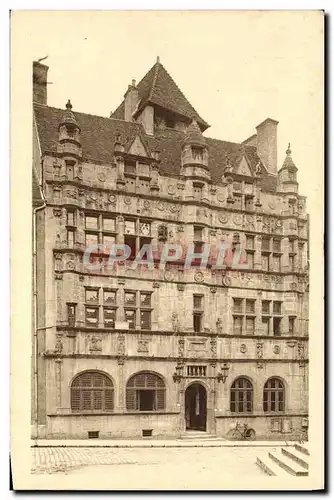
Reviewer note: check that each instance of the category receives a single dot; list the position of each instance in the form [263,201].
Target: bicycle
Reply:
[242,431]
[303,436]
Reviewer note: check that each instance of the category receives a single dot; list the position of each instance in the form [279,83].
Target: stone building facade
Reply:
[124,352]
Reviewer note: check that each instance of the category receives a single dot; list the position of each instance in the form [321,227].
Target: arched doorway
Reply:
[195,407]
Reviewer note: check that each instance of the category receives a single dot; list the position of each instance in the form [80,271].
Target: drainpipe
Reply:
[35,210]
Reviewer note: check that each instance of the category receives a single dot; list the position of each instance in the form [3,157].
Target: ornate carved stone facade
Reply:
[148,175]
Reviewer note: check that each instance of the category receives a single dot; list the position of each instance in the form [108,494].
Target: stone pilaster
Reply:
[257,253]
[285,265]
[120,230]
[188,191]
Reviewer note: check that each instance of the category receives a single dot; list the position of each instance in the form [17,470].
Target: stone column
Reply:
[62,227]
[205,192]
[138,311]
[120,302]
[155,306]
[257,253]
[80,312]
[58,368]
[258,317]
[188,192]
[121,387]
[120,230]
[212,310]
[285,325]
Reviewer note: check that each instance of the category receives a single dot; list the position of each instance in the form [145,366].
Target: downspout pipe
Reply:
[35,354]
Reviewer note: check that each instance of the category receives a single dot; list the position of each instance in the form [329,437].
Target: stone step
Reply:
[295,455]
[288,465]
[269,467]
[198,435]
[302,449]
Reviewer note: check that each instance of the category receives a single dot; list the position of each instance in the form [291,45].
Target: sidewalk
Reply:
[153,443]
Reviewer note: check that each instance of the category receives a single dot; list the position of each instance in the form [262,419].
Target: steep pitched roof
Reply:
[98,136]
[288,162]
[158,87]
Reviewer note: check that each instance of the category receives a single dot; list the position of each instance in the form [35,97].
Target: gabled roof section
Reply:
[99,134]
[158,88]
[137,148]
[243,167]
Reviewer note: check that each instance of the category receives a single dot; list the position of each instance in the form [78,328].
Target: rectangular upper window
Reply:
[70,218]
[92,296]
[277,307]
[265,244]
[198,302]
[276,245]
[130,167]
[130,299]
[109,297]
[130,227]
[265,306]
[145,299]
[197,153]
[109,224]
[237,305]
[91,222]
[250,306]
[198,232]
[250,242]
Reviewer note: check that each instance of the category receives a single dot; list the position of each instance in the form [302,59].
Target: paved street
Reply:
[175,467]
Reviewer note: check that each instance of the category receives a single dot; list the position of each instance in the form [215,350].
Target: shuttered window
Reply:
[92,391]
[145,392]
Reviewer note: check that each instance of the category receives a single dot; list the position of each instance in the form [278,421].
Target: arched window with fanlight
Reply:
[241,396]
[145,391]
[92,391]
[273,395]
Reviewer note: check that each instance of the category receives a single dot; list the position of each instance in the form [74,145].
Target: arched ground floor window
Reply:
[145,391]
[241,396]
[92,391]
[273,395]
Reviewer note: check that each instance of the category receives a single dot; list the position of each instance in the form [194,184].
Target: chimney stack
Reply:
[267,144]
[131,99]
[39,82]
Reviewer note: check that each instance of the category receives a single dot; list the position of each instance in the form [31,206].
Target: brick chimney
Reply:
[131,99]
[267,144]
[39,82]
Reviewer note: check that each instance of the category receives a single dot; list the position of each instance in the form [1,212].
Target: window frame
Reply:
[246,401]
[93,390]
[279,406]
[133,386]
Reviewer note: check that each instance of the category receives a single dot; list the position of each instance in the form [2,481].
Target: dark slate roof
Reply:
[98,136]
[158,87]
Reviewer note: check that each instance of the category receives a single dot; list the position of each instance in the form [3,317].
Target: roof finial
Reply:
[158,59]
[68,105]
[288,151]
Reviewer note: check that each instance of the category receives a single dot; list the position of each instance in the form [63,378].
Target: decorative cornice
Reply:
[172,359]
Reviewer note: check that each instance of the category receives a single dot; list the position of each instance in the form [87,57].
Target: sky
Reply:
[236,69]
